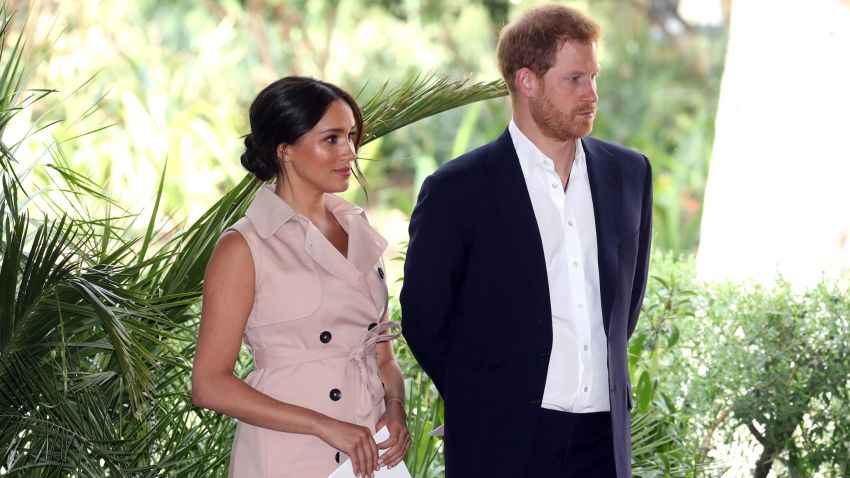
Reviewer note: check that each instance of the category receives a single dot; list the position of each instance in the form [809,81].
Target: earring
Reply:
[286,161]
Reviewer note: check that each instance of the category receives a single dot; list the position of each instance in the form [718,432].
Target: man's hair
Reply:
[532,40]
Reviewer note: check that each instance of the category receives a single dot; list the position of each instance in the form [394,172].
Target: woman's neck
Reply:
[309,204]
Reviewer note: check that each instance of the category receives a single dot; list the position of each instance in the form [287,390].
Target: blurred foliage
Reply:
[764,368]
[779,359]
[172,81]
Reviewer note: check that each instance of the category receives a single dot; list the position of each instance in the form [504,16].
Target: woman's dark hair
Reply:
[283,112]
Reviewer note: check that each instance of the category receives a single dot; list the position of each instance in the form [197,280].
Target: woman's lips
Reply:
[344,172]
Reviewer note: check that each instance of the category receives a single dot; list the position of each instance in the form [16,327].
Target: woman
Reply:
[300,277]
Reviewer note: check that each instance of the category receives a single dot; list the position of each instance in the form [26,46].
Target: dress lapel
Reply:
[365,245]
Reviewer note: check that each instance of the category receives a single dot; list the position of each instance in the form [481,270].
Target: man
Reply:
[526,270]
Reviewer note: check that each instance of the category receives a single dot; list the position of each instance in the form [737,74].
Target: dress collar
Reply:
[268,212]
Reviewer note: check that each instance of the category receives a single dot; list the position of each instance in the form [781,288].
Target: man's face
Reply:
[564,105]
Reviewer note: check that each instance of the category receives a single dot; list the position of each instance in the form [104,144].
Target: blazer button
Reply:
[536,402]
[544,354]
[325,337]
[372,326]
[335,394]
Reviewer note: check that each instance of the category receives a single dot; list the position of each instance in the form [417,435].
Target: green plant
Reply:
[659,428]
[781,361]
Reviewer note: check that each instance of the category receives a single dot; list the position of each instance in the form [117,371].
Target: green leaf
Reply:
[644,390]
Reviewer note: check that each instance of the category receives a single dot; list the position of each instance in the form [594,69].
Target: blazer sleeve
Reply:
[432,269]
[643,253]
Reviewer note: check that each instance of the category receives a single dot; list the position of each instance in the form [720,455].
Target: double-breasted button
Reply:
[372,326]
[335,394]
[325,337]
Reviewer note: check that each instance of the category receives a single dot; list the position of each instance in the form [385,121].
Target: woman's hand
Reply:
[399,441]
[353,440]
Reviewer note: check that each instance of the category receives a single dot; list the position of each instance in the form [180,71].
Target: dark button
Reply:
[325,337]
[544,354]
[337,457]
[372,325]
[335,394]
[535,402]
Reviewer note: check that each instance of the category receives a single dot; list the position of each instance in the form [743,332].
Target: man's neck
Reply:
[562,153]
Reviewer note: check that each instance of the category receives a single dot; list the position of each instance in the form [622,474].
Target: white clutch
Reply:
[399,471]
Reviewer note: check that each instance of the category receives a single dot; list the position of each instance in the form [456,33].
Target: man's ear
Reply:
[526,82]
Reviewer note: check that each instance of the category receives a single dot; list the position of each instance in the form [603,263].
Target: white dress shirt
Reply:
[577,379]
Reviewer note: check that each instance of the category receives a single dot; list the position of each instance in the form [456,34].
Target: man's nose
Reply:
[590,94]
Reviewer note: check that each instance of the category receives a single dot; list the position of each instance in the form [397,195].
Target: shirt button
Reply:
[585,347]
[570,223]
[580,306]
[554,185]
[585,389]
[337,457]
[335,394]
[372,326]
[575,263]
[325,337]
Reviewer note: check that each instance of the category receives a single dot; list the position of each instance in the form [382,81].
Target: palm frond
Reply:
[419,97]
[26,274]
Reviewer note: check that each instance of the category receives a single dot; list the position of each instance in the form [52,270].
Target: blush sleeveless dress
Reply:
[312,331]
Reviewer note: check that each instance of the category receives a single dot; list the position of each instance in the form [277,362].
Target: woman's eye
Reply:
[331,139]
[351,136]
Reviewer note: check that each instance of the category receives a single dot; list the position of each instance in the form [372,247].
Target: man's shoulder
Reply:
[467,163]
[467,167]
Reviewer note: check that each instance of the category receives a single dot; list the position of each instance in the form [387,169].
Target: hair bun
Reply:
[256,162]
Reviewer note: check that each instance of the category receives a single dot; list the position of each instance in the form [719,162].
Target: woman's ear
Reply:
[283,153]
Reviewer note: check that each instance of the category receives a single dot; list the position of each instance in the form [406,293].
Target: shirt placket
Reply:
[576,266]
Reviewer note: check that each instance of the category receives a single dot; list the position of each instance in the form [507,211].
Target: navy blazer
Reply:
[475,299]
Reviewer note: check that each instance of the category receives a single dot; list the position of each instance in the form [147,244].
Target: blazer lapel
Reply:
[606,190]
[513,202]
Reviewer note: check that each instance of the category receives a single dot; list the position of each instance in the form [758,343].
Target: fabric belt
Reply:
[371,389]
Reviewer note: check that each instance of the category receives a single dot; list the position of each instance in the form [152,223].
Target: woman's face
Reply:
[321,160]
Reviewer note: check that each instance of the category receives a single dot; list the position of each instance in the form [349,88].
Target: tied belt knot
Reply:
[370,386]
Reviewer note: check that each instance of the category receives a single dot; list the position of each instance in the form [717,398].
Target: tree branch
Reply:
[757,434]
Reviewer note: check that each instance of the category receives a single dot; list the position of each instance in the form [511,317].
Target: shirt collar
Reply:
[530,155]
[268,211]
